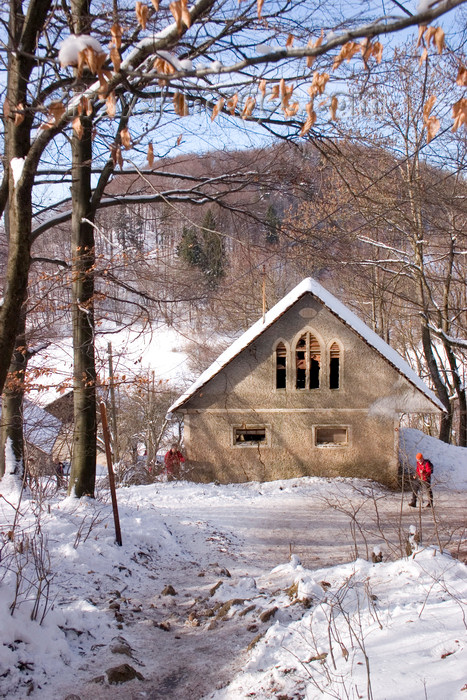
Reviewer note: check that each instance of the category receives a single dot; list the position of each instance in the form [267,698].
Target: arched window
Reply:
[307,362]
[334,366]
[281,366]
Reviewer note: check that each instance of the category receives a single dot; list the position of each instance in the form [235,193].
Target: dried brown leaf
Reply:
[115,58]
[311,119]
[428,106]
[432,128]
[186,17]
[217,108]
[421,31]
[289,42]
[248,107]
[433,35]
[232,104]
[116,154]
[459,113]
[116,34]
[286,92]
[438,40]
[125,138]
[82,62]
[318,84]
[19,114]
[94,60]
[163,66]
[141,10]
[180,104]
[150,155]
[377,51]
[347,51]
[262,87]
[275,92]
[176,10]
[333,108]
[314,45]
[111,105]
[78,127]
[423,57]
[259,6]
[291,110]
[155,4]
[86,106]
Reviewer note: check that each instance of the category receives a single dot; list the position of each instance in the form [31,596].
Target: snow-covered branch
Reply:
[451,340]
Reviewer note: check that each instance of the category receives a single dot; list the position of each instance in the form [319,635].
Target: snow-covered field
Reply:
[240,591]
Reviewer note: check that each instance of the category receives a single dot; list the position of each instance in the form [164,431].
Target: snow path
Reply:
[211,538]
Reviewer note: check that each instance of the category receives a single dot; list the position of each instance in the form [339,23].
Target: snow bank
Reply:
[449,461]
[373,630]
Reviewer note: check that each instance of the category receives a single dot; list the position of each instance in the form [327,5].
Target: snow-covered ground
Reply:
[239,591]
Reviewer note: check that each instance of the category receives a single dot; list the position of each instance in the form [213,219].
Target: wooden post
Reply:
[113,406]
[105,430]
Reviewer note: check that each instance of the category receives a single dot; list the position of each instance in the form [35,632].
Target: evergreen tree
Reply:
[273,226]
[189,248]
[213,253]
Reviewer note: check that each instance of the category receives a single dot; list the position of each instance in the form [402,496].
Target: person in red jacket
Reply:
[422,480]
[172,460]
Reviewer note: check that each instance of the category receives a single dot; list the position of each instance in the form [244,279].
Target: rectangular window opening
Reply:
[249,436]
[327,436]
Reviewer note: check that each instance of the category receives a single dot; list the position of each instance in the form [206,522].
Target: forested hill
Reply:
[199,242]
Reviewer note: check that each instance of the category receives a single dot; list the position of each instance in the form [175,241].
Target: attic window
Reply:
[330,436]
[334,366]
[249,436]
[281,366]
[308,362]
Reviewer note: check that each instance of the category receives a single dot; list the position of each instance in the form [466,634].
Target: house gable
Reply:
[246,373]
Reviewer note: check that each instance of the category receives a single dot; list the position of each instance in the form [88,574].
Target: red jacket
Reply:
[173,459]
[423,470]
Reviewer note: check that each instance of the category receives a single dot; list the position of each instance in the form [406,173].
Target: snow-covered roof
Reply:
[40,427]
[309,285]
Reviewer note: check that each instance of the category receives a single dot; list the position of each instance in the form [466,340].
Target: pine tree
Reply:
[273,226]
[212,260]
[189,248]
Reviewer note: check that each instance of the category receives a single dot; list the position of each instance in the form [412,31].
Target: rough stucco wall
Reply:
[370,394]
[291,452]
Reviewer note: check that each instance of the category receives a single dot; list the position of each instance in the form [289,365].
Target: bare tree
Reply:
[405,219]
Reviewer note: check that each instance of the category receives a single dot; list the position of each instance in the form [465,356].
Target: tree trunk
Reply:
[22,41]
[83,469]
[446,418]
[11,433]
[460,391]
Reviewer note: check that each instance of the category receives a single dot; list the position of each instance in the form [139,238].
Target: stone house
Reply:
[308,390]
